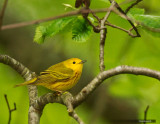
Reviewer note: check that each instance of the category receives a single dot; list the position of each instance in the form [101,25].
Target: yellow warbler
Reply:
[59,77]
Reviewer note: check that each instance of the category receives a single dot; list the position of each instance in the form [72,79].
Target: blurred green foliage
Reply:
[120,49]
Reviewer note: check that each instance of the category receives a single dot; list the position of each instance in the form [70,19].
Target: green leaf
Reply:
[135,11]
[39,34]
[81,30]
[149,23]
[53,28]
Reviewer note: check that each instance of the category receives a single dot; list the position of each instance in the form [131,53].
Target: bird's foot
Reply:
[58,93]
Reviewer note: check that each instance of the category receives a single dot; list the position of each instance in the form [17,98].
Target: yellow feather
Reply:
[59,77]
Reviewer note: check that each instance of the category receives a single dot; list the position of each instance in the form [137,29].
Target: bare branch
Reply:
[76,117]
[145,114]
[125,16]
[27,75]
[65,99]
[109,11]
[120,28]
[95,15]
[2,12]
[102,43]
[86,91]
[9,109]
[95,28]
[45,99]
[72,13]
[103,37]
[132,5]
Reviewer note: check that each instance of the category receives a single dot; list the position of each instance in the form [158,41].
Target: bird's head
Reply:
[75,64]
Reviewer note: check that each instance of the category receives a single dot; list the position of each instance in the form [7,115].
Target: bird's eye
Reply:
[74,62]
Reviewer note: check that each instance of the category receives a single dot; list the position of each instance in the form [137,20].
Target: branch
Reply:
[145,114]
[2,12]
[65,99]
[132,5]
[9,109]
[76,117]
[72,13]
[125,16]
[94,15]
[103,37]
[86,91]
[27,75]
[95,28]
[120,28]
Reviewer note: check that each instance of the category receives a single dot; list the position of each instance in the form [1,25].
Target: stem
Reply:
[145,114]
[132,5]
[72,13]
[9,109]
[103,37]
[125,16]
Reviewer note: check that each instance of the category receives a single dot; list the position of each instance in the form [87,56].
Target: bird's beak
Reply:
[83,61]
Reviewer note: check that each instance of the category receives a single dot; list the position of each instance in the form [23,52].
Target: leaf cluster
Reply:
[79,27]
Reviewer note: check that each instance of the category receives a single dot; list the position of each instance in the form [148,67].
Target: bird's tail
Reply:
[30,82]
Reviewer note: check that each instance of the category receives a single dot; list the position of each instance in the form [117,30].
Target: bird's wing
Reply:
[57,74]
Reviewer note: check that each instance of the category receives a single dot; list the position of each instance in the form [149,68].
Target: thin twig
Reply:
[125,16]
[9,109]
[95,16]
[2,12]
[132,5]
[72,13]
[109,11]
[120,28]
[145,114]
[96,29]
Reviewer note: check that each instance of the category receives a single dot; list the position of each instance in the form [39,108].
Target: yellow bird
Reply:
[59,77]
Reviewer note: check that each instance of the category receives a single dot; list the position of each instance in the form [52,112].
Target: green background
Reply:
[120,97]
